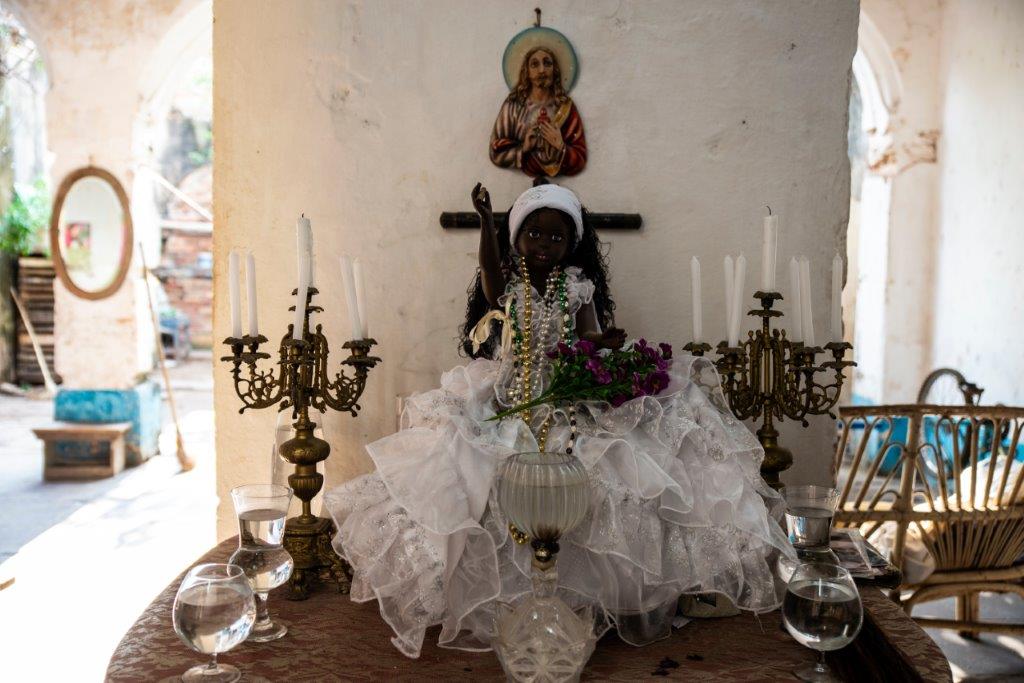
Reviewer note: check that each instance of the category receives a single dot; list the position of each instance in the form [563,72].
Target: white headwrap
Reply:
[544,197]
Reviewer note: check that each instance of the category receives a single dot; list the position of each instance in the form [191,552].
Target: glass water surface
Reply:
[213,612]
[822,611]
[809,527]
[821,614]
[260,553]
[212,619]
[809,512]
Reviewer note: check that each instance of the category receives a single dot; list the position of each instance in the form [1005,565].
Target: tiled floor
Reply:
[993,657]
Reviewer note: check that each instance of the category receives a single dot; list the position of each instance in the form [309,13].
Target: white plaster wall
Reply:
[373,118]
[96,54]
[979,297]
[897,250]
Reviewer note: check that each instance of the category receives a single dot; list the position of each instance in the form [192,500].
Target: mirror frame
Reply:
[128,232]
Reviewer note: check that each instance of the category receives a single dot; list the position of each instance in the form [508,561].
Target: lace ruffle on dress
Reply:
[678,506]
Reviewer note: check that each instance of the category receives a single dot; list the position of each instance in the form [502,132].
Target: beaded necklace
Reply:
[531,353]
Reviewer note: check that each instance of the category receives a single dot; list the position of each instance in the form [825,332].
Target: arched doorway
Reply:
[874,96]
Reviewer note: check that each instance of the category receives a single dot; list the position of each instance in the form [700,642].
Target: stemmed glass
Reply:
[821,611]
[261,510]
[214,611]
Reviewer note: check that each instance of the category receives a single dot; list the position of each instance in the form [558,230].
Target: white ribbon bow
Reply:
[482,331]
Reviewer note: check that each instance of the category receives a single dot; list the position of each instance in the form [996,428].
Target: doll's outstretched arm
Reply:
[587,327]
[491,278]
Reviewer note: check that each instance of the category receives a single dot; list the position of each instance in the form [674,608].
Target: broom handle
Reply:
[183,459]
[51,386]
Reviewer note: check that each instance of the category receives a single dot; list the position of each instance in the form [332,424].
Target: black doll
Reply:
[547,238]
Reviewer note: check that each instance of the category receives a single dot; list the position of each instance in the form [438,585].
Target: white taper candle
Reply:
[348,278]
[250,297]
[730,282]
[737,300]
[796,326]
[235,295]
[357,275]
[837,302]
[303,237]
[300,297]
[695,300]
[768,252]
[805,301]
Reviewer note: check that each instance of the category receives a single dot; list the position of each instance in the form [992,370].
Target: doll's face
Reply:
[544,239]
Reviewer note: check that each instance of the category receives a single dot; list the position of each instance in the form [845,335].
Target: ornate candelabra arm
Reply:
[734,368]
[697,349]
[767,300]
[259,389]
[828,395]
[343,393]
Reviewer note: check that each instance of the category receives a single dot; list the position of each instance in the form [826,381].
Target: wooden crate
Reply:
[35,289]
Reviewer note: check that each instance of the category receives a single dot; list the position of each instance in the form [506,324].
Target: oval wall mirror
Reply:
[91,233]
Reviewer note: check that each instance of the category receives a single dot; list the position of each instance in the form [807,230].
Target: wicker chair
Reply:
[916,468]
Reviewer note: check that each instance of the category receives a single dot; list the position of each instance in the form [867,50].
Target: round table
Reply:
[330,638]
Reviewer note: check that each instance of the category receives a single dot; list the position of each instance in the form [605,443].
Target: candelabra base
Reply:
[308,541]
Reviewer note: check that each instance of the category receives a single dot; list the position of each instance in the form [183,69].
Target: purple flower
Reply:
[564,350]
[656,382]
[666,350]
[598,370]
[619,399]
[640,344]
[586,347]
[639,385]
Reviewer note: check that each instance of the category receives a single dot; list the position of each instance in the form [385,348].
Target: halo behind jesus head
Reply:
[547,38]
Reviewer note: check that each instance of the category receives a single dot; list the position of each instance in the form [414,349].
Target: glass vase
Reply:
[542,639]
[261,510]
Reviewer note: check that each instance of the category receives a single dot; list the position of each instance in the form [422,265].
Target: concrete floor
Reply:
[993,657]
[87,557]
[90,556]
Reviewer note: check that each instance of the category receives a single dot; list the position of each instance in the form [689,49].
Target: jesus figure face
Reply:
[541,69]
[539,73]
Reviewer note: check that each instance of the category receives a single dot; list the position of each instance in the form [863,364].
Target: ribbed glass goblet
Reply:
[542,640]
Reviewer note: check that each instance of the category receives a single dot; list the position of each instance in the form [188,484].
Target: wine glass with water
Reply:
[261,510]
[214,611]
[822,611]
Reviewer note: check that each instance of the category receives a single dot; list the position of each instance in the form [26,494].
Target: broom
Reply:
[51,386]
[186,462]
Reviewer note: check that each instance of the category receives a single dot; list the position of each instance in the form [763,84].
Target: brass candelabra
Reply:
[300,382]
[771,377]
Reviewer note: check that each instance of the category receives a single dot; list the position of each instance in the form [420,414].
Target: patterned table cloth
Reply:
[331,638]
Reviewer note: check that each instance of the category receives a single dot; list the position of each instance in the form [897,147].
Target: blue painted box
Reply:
[140,405]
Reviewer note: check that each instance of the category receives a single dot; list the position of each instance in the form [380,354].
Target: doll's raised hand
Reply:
[613,338]
[482,204]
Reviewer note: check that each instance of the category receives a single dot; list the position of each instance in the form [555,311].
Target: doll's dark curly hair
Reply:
[589,255]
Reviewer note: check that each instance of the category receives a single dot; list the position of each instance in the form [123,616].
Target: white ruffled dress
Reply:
[678,506]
